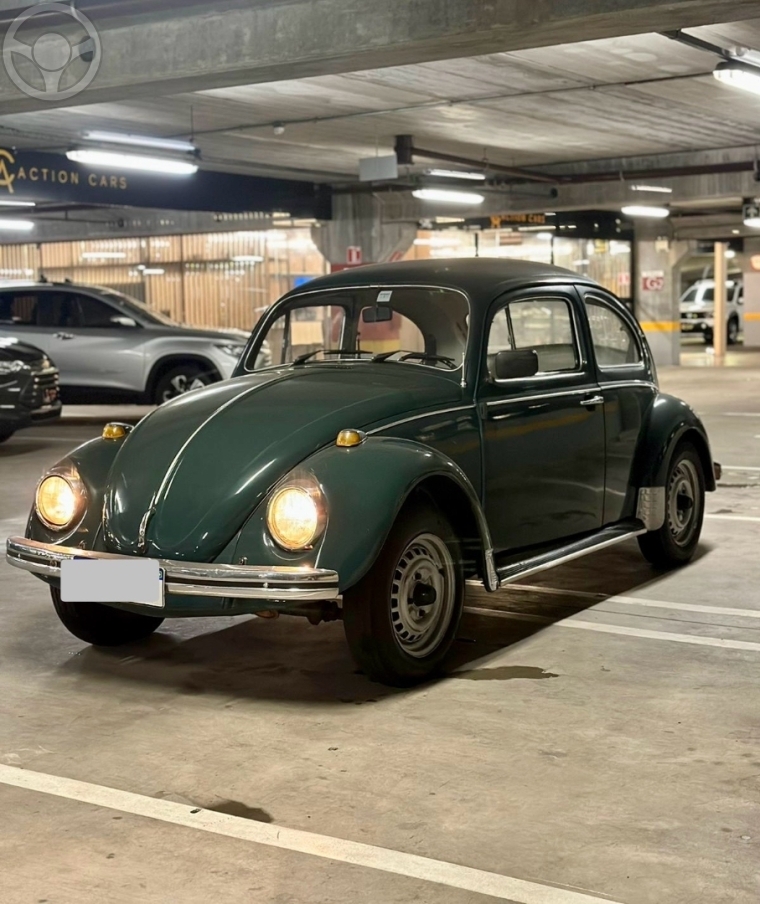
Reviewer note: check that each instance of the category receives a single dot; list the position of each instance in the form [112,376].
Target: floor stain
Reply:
[238,808]
[506,673]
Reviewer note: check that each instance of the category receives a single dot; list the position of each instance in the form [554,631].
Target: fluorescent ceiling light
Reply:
[153,271]
[439,241]
[642,210]
[661,189]
[752,222]
[247,258]
[738,75]
[457,174]
[142,141]
[18,204]
[8,224]
[105,255]
[444,195]
[545,236]
[730,254]
[117,160]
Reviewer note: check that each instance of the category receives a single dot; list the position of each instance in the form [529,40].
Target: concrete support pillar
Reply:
[357,233]
[657,290]
[719,330]
[751,312]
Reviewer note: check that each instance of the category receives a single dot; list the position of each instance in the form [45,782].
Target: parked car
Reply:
[106,341]
[28,387]
[698,309]
[448,420]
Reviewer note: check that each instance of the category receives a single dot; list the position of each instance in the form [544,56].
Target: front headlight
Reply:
[60,500]
[295,517]
[234,351]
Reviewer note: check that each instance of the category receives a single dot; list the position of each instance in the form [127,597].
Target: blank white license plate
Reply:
[112,581]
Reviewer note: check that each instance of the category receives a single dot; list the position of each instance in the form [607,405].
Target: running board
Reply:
[608,536]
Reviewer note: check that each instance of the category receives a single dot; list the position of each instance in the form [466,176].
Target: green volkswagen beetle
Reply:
[420,424]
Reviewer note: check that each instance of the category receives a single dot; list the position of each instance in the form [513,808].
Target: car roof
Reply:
[481,278]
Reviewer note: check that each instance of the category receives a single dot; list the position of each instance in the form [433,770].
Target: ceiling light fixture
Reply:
[153,271]
[661,189]
[18,203]
[141,141]
[457,174]
[247,259]
[444,195]
[118,160]
[739,75]
[104,255]
[9,224]
[646,211]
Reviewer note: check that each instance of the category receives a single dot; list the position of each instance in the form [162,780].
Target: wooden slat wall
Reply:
[201,283]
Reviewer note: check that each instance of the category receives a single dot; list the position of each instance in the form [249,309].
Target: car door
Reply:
[543,436]
[625,382]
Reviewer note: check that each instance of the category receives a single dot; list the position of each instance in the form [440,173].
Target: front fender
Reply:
[365,488]
[93,461]
[670,421]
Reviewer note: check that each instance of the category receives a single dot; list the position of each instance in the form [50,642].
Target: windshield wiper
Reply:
[420,356]
[302,359]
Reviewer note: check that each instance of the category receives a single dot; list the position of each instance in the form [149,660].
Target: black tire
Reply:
[708,334]
[402,592]
[181,379]
[732,335]
[5,434]
[103,626]
[675,543]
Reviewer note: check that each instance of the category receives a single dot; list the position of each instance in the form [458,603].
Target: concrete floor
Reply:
[597,742]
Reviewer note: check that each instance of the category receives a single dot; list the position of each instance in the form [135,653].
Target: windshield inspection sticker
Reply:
[384,296]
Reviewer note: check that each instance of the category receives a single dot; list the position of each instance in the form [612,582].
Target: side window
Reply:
[95,313]
[614,342]
[56,309]
[18,308]
[543,325]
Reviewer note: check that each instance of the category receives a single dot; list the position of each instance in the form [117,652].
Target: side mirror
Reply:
[377,314]
[513,364]
[121,320]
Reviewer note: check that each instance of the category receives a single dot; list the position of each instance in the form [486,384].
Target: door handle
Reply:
[63,335]
[593,401]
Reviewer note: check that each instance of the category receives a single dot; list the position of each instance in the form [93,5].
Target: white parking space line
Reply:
[440,872]
[639,601]
[739,414]
[581,625]
[733,518]
[739,468]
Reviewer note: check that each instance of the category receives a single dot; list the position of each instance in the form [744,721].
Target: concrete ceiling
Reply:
[640,96]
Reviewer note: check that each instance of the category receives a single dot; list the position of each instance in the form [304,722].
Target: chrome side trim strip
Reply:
[584,390]
[417,417]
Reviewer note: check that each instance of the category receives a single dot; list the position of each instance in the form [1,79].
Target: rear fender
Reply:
[365,488]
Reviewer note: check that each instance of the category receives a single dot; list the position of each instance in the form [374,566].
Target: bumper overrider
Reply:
[253,582]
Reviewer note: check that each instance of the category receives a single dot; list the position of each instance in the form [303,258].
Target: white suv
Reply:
[698,307]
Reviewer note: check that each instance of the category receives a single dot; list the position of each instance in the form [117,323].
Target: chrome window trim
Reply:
[553,374]
[604,302]
[379,286]
[583,390]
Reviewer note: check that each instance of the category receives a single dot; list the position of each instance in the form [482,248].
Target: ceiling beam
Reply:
[154,48]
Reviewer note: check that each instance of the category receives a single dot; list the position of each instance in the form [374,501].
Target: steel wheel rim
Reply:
[423,596]
[181,384]
[683,502]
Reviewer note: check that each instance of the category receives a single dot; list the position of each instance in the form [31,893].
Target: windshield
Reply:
[411,325]
[137,307]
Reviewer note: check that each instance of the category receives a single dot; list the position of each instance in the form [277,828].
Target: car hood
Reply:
[13,350]
[188,476]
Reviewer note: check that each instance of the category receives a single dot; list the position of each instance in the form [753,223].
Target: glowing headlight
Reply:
[59,501]
[293,517]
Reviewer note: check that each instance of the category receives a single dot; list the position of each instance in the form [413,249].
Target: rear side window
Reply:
[18,308]
[614,341]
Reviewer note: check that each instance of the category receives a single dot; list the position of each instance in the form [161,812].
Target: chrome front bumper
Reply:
[252,582]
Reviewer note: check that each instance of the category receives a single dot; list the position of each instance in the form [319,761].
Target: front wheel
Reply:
[103,626]
[402,617]
[181,379]
[676,541]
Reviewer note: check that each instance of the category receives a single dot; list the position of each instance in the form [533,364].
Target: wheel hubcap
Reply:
[181,384]
[423,595]
[683,494]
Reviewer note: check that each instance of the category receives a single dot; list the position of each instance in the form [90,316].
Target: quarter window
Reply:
[614,342]
[544,325]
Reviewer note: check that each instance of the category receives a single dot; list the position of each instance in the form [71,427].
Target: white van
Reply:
[698,306]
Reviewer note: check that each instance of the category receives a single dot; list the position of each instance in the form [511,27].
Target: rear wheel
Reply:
[676,541]
[181,379]
[401,618]
[103,625]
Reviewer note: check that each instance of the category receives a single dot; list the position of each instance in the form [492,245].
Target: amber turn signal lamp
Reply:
[115,431]
[348,438]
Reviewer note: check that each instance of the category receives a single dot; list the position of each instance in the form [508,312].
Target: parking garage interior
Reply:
[592,734]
